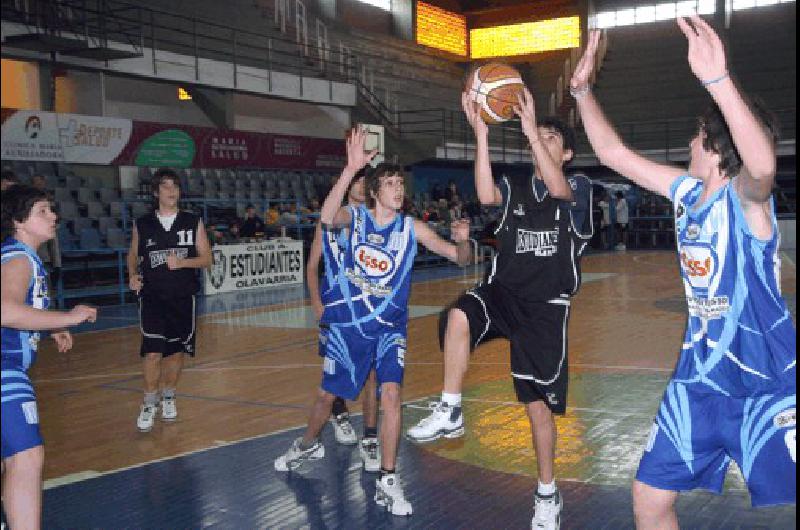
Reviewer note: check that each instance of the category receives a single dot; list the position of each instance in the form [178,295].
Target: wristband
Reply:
[717,80]
[578,93]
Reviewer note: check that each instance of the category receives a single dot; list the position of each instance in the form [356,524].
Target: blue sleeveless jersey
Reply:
[368,272]
[19,346]
[739,339]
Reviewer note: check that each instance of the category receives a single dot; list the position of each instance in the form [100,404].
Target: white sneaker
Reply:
[547,512]
[169,411]
[444,421]
[147,416]
[295,456]
[343,429]
[370,450]
[389,493]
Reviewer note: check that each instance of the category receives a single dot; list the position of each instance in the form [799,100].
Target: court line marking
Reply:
[211,368]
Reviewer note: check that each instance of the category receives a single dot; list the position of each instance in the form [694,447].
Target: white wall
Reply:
[252,113]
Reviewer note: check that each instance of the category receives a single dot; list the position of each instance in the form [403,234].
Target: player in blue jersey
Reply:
[327,243]
[27,222]
[366,313]
[733,393]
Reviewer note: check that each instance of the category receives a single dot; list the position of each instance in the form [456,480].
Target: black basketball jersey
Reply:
[155,244]
[538,246]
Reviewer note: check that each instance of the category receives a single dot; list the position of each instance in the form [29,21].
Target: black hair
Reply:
[717,137]
[17,203]
[10,176]
[372,182]
[566,132]
[161,175]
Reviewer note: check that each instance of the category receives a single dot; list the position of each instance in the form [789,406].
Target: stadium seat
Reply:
[62,194]
[80,223]
[116,238]
[73,182]
[95,210]
[105,223]
[86,195]
[108,195]
[90,239]
[67,210]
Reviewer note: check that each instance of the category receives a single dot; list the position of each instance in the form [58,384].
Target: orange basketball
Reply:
[495,87]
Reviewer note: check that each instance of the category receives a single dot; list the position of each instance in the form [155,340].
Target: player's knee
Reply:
[457,322]
[325,397]
[538,410]
[152,356]
[390,396]
[648,503]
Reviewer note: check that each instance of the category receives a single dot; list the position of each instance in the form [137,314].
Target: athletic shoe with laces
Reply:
[389,493]
[370,450]
[343,429]
[546,511]
[169,410]
[147,416]
[296,455]
[444,420]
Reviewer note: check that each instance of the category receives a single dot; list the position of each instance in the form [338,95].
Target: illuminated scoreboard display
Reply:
[441,29]
[525,38]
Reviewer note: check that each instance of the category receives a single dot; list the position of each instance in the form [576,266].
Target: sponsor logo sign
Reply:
[373,261]
[252,265]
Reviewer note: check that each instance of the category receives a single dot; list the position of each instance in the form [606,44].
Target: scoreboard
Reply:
[525,38]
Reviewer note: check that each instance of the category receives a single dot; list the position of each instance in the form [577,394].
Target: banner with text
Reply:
[251,265]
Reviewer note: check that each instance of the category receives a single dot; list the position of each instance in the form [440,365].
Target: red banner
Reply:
[157,144]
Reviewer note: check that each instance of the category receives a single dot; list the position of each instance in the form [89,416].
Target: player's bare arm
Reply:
[134,278]
[15,313]
[312,272]
[459,253]
[203,259]
[332,213]
[488,193]
[611,151]
[551,170]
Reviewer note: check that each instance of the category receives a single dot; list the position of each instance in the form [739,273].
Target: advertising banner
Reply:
[252,265]
[72,138]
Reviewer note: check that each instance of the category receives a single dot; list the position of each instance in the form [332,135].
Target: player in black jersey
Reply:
[544,228]
[167,246]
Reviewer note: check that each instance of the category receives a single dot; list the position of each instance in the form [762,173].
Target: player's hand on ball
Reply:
[135,283]
[459,230]
[173,261]
[83,313]
[473,113]
[63,340]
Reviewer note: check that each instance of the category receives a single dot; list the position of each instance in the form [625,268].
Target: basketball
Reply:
[495,87]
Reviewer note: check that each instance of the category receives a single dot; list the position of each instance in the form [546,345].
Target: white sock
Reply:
[546,489]
[454,400]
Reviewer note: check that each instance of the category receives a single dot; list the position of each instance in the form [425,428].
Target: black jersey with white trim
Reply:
[156,243]
[539,243]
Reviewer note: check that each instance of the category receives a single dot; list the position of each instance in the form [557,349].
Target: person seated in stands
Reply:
[451,192]
[252,226]
[39,182]
[8,179]
[289,215]
[432,211]
[456,207]
[444,212]
[233,234]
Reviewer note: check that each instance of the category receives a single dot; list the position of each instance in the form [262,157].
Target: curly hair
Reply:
[717,137]
[17,203]
[160,176]
[372,182]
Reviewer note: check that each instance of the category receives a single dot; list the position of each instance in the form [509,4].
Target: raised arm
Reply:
[332,213]
[606,143]
[488,193]
[460,253]
[312,272]
[752,139]
[551,171]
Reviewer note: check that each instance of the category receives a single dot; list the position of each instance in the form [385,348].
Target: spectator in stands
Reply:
[272,215]
[233,234]
[621,209]
[432,211]
[289,215]
[605,222]
[252,226]
[39,182]
[444,212]
[451,192]
[9,179]
[456,207]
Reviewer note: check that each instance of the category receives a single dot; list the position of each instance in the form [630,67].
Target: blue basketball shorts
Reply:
[697,434]
[349,356]
[20,417]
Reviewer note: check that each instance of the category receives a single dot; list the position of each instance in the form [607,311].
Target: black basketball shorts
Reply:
[168,324]
[537,332]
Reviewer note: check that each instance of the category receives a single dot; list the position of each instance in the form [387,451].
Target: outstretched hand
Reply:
[706,51]
[583,71]
[357,157]
[472,110]
[459,230]
[526,110]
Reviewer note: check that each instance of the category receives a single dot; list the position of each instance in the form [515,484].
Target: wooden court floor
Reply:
[258,367]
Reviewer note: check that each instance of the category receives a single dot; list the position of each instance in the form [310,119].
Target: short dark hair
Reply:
[718,137]
[161,175]
[10,176]
[566,132]
[17,203]
[372,181]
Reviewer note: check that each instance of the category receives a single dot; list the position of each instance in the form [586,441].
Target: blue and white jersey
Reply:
[19,346]
[334,246]
[739,339]
[373,282]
